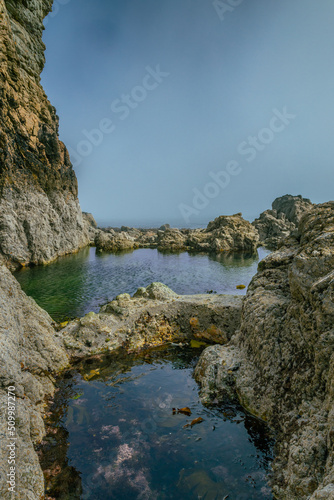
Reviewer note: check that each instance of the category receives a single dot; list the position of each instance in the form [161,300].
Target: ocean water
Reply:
[80,283]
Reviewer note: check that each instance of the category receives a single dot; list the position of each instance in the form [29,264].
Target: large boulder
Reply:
[277,224]
[110,241]
[171,240]
[232,233]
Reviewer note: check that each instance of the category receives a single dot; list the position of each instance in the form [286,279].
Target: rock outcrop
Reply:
[40,216]
[30,354]
[277,224]
[225,234]
[281,363]
[153,316]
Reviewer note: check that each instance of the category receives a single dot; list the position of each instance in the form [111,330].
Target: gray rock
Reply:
[275,225]
[285,357]
[40,215]
[30,353]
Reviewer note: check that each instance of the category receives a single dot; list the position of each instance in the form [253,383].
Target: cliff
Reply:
[30,353]
[40,216]
[281,363]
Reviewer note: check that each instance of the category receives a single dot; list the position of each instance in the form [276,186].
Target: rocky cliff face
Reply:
[40,216]
[30,354]
[281,364]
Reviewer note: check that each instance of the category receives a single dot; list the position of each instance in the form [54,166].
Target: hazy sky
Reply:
[203,108]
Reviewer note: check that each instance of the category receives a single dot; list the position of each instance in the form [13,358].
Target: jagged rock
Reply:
[225,234]
[40,214]
[114,242]
[281,363]
[275,225]
[171,240]
[91,226]
[293,207]
[232,233]
[30,352]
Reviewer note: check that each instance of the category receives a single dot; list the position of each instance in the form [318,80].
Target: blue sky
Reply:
[216,78]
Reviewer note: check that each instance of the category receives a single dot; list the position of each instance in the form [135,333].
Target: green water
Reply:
[77,284]
[113,435]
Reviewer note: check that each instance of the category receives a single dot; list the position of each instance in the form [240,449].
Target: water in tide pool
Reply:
[77,284]
[112,434]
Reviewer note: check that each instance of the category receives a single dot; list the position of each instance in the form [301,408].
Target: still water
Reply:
[80,283]
[113,435]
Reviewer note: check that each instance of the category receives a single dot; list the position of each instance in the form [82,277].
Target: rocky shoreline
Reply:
[273,350]
[227,233]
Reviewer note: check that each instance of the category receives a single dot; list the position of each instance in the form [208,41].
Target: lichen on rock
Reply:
[40,216]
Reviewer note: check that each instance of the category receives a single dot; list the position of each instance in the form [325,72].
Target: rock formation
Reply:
[40,216]
[278,223]
[225,234]
[153,316]
[30,354]
[281,363]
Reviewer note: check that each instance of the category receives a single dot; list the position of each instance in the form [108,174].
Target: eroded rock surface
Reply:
[30,354]
[281,363]
[40,216]
[277,224]
[153,316]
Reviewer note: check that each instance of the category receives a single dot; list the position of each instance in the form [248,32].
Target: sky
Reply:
[179,111]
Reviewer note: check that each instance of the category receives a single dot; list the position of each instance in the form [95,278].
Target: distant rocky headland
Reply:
[272,350]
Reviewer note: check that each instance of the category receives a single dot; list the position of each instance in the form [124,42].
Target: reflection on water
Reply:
[77,284]
[114,435]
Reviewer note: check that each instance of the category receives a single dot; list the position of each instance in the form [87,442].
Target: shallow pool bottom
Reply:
[115,432]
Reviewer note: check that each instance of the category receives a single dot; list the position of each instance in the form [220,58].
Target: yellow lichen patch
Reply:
[65,323]
[194,323]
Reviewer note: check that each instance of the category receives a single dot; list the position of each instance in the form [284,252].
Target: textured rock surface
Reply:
[277,224]
[30,353]
[225,234]
[153,316]
[90,226]
[281,363]
[40,217]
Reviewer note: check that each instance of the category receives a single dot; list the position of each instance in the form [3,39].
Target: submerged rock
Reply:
[281,363]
